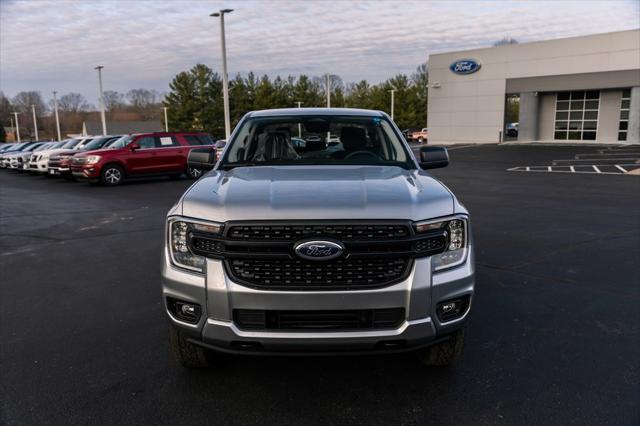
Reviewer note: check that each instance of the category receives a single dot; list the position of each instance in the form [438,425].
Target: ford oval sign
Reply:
[319,250]
[464,66]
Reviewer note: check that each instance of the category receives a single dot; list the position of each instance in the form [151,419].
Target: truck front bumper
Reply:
[218,297]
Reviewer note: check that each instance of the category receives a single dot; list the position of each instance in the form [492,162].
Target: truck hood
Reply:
[52,152]
[317,192]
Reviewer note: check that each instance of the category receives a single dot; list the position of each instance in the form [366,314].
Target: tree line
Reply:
[195,102]
[73,110]
[195,99]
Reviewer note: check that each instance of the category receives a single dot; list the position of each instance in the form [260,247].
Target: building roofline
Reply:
[527,43]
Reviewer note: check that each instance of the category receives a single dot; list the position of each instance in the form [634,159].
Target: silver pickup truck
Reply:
[347,247]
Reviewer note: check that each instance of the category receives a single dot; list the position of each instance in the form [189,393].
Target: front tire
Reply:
[445,353]
[187,354]
[111,175]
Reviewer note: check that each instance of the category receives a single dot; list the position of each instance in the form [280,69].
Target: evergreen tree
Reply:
[195,101]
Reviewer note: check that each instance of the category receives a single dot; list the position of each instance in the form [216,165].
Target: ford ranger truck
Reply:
[283,249]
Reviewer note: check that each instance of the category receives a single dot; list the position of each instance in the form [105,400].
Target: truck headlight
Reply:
[457,229]
[179,231]
[93,159]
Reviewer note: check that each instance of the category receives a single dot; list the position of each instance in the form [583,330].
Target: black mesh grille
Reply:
[248,319]
[296,232]
[305,275]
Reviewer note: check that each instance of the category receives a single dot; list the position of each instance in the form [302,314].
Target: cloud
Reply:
[56,44]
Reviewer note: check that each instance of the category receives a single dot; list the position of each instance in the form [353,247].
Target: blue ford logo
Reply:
[319,250]
[464,66]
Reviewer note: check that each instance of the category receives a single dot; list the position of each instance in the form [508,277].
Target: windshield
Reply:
[317,140]
[43,146]
[32,147]
[83,142]
[97,143]
[122,142]
[71,143]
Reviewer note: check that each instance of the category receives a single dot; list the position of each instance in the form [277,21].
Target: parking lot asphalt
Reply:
[554,336]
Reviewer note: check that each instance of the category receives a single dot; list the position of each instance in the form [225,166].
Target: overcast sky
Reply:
[46,45]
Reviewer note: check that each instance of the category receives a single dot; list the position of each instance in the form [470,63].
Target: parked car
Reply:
[353,251]
[34,164]
[512,129]
[4,161]
[138,155]
[40,163]
[420,136]
[60,163]
[17,159]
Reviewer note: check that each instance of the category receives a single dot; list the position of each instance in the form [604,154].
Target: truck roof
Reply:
[316,111]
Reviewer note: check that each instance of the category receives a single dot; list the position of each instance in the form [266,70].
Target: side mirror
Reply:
[433,157]
[133,146]
[201,158]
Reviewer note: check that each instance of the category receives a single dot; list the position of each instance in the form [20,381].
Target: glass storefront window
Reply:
[624,114]
[577,112]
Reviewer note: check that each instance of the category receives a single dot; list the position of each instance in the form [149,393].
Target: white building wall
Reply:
[470,108]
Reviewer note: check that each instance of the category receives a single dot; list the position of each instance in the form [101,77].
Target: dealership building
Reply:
[584,89]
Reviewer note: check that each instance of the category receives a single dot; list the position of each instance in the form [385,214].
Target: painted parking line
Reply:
[615,169]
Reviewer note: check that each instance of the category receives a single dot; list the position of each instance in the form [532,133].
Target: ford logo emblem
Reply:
[464,66]
[319,250]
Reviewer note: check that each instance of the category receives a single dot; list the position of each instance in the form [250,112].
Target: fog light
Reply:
[184,311]
[450,310]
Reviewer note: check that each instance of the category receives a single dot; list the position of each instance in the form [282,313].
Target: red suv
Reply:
[145,154]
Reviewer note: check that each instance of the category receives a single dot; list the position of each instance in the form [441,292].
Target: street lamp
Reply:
[393,91]
[225,77]
[166,122]
[55,108]
[299,125]
[15,114]
[102,116]
[328,91]
[35,123]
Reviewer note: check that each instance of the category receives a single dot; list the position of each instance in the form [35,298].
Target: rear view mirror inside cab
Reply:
[316,125]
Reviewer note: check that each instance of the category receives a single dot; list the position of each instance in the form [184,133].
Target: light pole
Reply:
[55,108]
[15,114]
[35,122]
[299,125]
[225,77]
[13,129]
[102,116]
[393,92]
[166,123]
[328,91]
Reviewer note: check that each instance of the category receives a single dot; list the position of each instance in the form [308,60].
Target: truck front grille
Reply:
[343,274]
[262,255]
[251,319]
[342,232]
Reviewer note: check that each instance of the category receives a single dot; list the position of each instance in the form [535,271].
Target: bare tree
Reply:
[113,100]
[505,41]
[141,99]
[73,103]
[23,100]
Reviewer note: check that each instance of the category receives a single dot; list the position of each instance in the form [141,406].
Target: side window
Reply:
[205,139]
[146,142]
[192,140]
[166,141]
